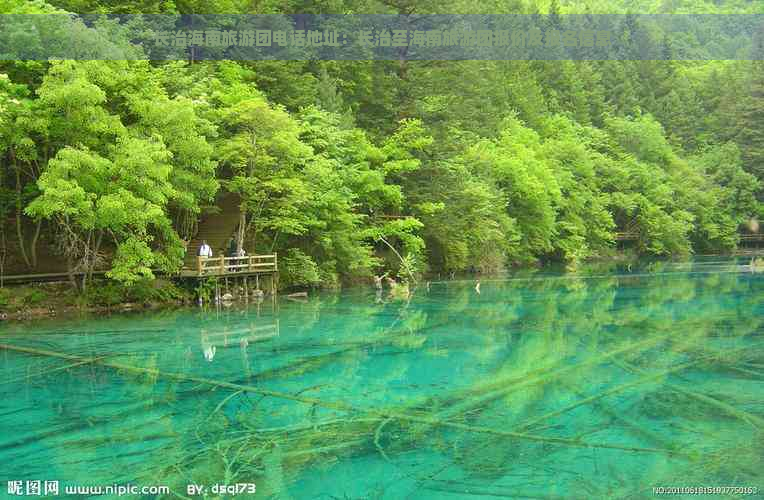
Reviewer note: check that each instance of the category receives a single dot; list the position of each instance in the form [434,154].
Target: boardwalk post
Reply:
[199,264]
[273,291]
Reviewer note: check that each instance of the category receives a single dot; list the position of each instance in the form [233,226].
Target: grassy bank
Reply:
[50,299]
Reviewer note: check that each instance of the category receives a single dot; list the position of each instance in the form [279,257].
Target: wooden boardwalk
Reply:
[233,266]
[237,269]
[215,227]
[627,236]
[744,238]
[218,267]
[752,238]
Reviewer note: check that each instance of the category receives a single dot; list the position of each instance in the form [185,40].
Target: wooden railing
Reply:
[752,237]
[245,264]
[626,236]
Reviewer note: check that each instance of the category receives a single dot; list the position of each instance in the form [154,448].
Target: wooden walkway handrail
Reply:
[626,235]
[246,263]
[752,237]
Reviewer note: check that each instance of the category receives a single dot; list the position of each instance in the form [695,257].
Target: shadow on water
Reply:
[601,384]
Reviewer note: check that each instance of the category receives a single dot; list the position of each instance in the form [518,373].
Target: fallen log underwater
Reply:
[335,405]
[361,431]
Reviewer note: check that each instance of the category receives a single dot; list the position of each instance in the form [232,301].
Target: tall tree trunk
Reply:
[70,271]
[85,263]
[94,259]
[3,253]
[242,228]
[19,229]
[403,89]
[33,244]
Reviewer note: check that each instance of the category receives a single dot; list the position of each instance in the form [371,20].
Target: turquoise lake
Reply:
[604,383]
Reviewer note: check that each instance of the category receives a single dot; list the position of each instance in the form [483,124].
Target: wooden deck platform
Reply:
[233,266]
[627,236]
[744,238]
[249,265]
[752,238]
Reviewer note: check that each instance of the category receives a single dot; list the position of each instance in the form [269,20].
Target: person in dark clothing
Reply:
[231,252]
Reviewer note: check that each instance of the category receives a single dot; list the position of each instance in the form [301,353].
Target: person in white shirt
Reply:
[205,250]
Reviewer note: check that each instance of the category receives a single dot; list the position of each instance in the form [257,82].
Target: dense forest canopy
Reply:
[349,167]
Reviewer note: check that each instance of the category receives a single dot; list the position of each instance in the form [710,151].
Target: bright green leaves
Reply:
[642,137]
[584,226]
[402,147]
[74,180]
[455,165]
[259,137]
[176,123]
[124,197]
[143,167]
[299,269]
[568,193]
[261,147]
[515,165]
[98,193]
[724,198]
[133,261]
[674,205]
[73,107]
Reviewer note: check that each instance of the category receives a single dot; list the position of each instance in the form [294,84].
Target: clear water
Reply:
[600,384]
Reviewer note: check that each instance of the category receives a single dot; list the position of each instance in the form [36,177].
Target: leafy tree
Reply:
[262,149]
[751,136]
[120,200]
[351,166]
[515,163]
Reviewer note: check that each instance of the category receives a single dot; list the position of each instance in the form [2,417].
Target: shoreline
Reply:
[52,300]
[36,313]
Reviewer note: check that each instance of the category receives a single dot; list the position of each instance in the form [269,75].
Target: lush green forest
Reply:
[343,166]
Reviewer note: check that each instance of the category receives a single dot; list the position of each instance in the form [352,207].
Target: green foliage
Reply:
[299,269]
[750,135]
[352,167]
[112,293]
[205,289]
[105,294]
[34,297]
[156,291]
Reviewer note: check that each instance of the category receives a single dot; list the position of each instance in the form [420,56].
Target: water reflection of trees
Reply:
[668,364]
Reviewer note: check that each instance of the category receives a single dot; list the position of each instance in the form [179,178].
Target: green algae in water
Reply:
[594,385]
